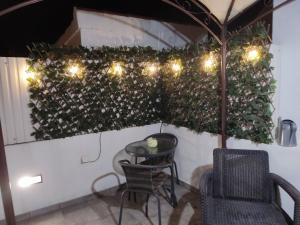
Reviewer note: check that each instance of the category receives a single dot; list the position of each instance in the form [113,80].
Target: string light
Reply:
[209,63]
[253,54]
[74,70]
[29,75]
[116,69]
[176,66]
[151,69]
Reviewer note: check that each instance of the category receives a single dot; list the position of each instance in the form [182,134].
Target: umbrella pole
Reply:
[223,77]
[223,84]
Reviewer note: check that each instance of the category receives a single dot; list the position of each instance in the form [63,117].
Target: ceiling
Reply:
[219,8]
[45,21]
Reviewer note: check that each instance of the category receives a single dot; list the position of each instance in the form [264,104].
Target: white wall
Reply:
[14,97]
[59,162]
[97,29]
[286,34]
[194,152]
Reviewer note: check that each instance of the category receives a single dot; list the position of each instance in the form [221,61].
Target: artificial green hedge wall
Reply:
[98,100]
[193,99]
[64,106]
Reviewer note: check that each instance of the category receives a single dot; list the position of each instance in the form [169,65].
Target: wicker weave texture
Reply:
[240,174]
[240,191]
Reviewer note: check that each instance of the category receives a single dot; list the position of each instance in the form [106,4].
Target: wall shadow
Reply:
[197,173]
[191,198]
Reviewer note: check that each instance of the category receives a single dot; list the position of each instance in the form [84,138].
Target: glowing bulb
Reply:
[253,55]
[209,63]
[27,181]
[151,69]
[29,75]
[176,67]
[116,69]
[73,70]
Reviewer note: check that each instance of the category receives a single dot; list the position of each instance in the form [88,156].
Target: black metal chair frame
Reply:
[171,156]
[144,183]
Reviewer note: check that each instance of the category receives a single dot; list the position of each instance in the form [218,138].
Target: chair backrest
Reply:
[167,136]
[138,177]
[241,174]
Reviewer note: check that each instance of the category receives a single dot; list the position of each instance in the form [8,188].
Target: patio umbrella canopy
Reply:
[220,8]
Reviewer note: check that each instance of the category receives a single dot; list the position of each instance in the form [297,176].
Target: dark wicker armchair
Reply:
[240,190]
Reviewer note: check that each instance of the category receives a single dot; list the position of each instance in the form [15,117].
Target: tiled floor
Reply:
[105,211]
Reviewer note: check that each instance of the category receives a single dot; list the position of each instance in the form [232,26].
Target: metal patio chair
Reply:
[164,159]
[240,190]
[144,179]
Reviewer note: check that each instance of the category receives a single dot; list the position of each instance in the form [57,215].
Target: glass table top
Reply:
[141,148]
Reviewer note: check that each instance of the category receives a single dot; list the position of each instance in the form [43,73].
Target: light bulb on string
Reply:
[175,66]
[209,63]
[74,70]
[116,69]
[151,69]
[252,54]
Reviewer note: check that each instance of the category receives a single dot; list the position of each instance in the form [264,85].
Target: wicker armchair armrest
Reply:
[292,192]
[204,188]
[205,180]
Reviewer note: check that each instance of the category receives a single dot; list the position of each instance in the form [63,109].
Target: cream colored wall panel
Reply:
[14,98]
[7,107]
[24,100]
[2,98]
[16,113]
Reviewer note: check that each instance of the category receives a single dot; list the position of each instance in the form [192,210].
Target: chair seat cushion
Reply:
[234,212]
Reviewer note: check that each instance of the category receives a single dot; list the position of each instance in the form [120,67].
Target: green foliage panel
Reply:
[64,106]
[98,100]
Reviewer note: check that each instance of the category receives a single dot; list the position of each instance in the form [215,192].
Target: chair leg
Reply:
[176,172]
[165,191]
[121,207]
[158,207]
[134,197]
[173,196]
[146,207]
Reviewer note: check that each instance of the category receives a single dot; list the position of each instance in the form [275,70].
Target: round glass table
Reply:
[141,148]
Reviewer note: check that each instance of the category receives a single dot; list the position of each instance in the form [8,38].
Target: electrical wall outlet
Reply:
[84,159]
